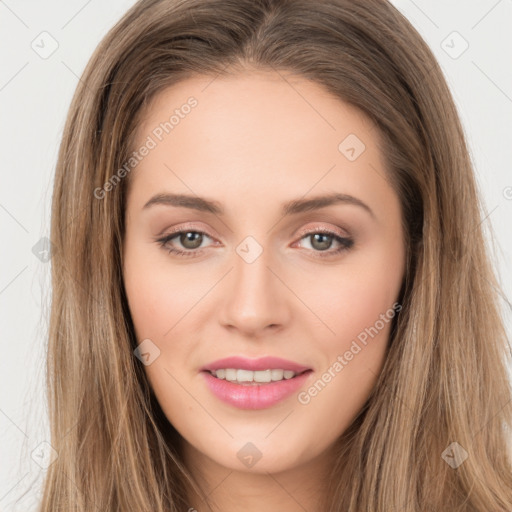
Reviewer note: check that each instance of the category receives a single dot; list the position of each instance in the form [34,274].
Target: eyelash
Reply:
[345,242]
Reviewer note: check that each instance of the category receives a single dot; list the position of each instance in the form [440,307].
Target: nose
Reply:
[255,299]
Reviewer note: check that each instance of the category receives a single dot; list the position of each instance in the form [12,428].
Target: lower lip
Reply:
[260,396]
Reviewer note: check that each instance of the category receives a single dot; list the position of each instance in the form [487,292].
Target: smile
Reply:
[249,377]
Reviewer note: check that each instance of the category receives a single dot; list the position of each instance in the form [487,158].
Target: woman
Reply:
[270,284]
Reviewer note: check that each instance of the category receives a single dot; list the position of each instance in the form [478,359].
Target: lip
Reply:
[256,396]
[262,363]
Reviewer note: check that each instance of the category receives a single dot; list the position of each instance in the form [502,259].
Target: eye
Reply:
[190,240]
[321,241]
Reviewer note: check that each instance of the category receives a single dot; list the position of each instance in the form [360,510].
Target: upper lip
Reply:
[263,363]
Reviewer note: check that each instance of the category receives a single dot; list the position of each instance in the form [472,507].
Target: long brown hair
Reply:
[444,380]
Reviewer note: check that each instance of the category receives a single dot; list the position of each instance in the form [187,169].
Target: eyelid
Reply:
[302,232]
[185,227]
[323,229]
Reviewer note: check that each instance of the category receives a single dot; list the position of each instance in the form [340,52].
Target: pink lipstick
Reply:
[254,383]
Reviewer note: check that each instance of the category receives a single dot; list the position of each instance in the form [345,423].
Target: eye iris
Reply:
[324,239]
[191,237]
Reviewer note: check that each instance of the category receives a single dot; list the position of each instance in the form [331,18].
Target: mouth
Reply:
[254,378]
[254,383]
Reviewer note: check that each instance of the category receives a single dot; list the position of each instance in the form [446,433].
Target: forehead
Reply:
[258,132]
[253,103]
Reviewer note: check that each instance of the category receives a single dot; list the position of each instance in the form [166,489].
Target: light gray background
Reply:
[35,93]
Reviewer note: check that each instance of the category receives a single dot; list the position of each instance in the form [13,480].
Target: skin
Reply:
[254,141]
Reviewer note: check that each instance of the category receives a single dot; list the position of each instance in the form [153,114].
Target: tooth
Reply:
[230,374]
[262,376]
[244,375]
[276,374]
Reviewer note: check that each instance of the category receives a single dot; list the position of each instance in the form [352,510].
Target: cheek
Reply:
[357,296]
[159,298]
[352,358]
[158,295]
[357,304]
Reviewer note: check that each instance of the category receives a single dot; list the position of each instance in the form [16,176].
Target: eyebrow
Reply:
[292,207]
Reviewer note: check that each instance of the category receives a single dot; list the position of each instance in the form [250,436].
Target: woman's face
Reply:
[290,246]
